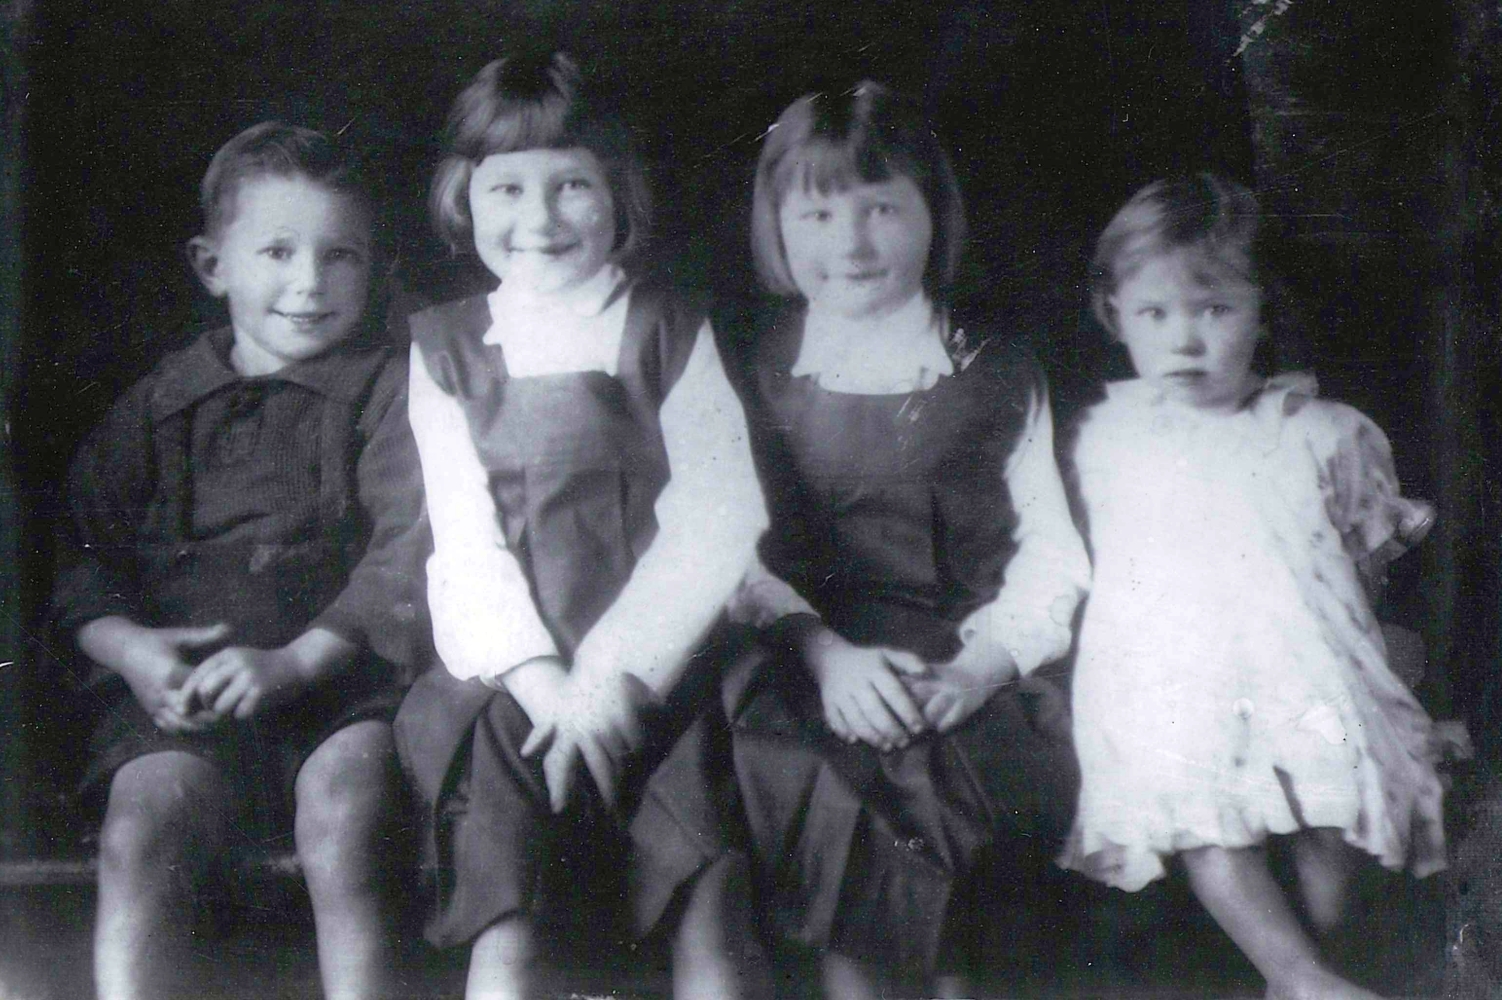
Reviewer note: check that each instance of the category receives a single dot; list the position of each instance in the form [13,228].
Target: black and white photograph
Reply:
[641,500]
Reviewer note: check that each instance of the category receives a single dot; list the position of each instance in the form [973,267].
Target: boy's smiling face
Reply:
[294,264]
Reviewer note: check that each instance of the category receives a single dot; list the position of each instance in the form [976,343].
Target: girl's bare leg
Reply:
[502,962]
[846,979]
[715,950]
[164,827]
[347,795]
[1239,891]
[1326,866]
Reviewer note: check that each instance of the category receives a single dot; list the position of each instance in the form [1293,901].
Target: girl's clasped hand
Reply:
[577,717]
[886,697]
[865,689]
[953,690]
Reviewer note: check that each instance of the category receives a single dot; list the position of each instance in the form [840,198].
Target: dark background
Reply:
[1366,127]
[1369,128]
[1054,114]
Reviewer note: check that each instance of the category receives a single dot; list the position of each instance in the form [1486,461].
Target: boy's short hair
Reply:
[536,101]
[274,149]
[868,134]
[1211,215]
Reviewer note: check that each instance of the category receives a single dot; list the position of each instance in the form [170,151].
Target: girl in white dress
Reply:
[1232,684]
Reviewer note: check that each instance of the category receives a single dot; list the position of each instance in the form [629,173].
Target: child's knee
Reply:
[345,787]
[164,809]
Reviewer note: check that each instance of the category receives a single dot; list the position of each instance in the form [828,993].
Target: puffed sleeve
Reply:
[1361,491]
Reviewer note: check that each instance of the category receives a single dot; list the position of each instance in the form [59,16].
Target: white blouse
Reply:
[709,515]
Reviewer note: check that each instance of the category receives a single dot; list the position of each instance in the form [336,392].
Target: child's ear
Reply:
[1109,317]
[203,256]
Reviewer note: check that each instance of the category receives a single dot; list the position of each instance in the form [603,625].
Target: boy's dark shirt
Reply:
[254,481]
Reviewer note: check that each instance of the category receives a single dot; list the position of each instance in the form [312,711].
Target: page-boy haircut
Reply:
[536,102]
[1211,215]
[829,143]
[277,150]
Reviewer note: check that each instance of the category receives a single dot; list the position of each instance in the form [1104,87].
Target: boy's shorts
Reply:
[260,757]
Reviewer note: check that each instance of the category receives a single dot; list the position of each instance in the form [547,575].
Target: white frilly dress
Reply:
[1231,681]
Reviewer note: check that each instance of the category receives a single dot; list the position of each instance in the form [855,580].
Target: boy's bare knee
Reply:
[353,768]
[164,809]
[344,791]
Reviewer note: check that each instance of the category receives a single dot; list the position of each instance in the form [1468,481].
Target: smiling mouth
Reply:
[863,277]
[551,251]
[307,318]
[1186,375]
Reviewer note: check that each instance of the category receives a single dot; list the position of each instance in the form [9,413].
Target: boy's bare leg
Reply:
[348,792]
[164,827]
[502,962]
[1239,891]
[716,953]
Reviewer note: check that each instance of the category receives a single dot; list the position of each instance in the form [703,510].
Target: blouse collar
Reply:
[1269,402]
[900,352]
[573,331]
[1272,389]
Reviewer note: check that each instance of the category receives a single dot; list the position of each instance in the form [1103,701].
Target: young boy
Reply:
[245,574]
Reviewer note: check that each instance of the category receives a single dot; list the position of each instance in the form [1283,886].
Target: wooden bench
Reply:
[253,867]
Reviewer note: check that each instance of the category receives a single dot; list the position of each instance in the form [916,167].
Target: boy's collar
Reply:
[203,368]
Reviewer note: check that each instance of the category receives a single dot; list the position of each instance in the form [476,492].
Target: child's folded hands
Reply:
[242,681]
[238,681]
[593,716]
[154,662]
[951,692]
[863,690]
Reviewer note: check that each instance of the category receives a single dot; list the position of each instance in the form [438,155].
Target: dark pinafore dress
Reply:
[890,515]
[576,463]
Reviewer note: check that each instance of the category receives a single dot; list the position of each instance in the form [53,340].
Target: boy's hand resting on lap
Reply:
[243,681]
[154,662]
[863,688]
[238,681]
[952,692]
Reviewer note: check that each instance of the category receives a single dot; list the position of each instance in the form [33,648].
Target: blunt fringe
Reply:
[827,143]
[536,101]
